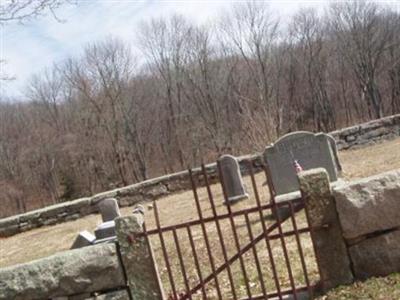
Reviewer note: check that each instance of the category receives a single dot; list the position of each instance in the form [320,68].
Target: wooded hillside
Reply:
[118,115]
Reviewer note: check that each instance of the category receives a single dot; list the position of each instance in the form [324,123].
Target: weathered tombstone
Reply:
[105,230]
[332,143]
[232,178]
[109,209]
[83,239]
[309,149]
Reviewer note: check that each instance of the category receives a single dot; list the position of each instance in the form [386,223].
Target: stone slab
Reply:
[369,205]
[90,269]
[378,256]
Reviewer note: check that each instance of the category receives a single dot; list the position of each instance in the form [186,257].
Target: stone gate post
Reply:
[330,249]
[138,259]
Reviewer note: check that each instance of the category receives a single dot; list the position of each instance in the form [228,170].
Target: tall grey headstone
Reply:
[308,149]
[109,209]
[232,178]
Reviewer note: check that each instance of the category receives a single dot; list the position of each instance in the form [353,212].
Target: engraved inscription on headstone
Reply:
[109,209]
[232,178]
[308,149]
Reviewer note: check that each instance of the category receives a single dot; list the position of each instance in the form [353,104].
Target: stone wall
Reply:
[355,136]
[355,225]
[369,213]
[367,133]
[120,270]
[74,273]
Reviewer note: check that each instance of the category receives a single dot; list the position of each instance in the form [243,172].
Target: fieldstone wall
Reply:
[367,133]
[369,213]
[355,136]
[355,226]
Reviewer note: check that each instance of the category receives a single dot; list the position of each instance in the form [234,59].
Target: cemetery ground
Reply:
[180,207]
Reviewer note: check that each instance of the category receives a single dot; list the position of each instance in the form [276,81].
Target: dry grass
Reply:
[180,208]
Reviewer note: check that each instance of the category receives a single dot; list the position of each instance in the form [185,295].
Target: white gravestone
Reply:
[232,178]
[105,230]
[83,239]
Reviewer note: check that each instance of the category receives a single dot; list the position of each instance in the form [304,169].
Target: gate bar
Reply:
[264,228]
[207,242]
[257,260]
[220,235]
[164,251]
[248,246]
[196,261]
[232,222]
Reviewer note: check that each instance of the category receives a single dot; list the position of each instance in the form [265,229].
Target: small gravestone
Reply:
[232,178]
[83,239]
[308,149]
[105,230]
[109,209]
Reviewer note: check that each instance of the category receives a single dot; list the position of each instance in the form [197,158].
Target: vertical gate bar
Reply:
[196,261]
[153,260]
[256,259]
[220,235]
[303,263]
[267,242]
[204,230]
[164,250]
[183,269]
[285,253]
[235,235]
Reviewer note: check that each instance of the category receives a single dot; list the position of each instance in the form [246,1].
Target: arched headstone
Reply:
[308,149]
[109,209]
[232,178]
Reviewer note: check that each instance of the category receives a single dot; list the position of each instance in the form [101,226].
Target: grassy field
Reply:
[384,288]
[180,208]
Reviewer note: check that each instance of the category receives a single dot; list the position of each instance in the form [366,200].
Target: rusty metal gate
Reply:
[233,252]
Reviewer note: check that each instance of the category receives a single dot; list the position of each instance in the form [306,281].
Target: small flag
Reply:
[297,166]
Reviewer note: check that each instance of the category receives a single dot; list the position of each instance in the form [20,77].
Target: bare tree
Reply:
[251,30]
[364,31]
[163,42]
[308,30]
[25,10]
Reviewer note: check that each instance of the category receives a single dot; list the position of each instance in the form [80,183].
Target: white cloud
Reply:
[30,48]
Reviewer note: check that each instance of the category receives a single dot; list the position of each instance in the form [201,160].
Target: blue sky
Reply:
[30,48]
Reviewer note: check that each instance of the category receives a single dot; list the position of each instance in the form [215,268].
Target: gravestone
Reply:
[332,143]
[105,230]
[232,178]
[83,239]
[308,149]
[109,209]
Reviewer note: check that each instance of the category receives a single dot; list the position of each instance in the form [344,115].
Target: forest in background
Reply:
[187,93]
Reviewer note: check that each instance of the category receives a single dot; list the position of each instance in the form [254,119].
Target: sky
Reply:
[32,47]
